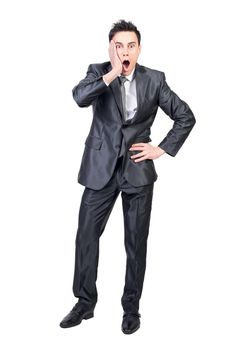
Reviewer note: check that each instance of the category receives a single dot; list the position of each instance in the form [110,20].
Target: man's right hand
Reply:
[115,63]
[114,58]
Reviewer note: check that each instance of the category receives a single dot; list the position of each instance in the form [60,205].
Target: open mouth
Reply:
[126,64]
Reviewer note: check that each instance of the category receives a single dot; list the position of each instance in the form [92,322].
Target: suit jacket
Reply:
[109,130]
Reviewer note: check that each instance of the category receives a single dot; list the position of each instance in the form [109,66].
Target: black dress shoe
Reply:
[131,323]
[76,315]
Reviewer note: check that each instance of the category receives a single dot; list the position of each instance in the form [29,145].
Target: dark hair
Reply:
[123,26]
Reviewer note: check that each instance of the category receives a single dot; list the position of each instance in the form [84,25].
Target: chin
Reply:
[127,71]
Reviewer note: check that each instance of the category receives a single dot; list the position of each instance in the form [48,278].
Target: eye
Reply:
[131,46]
[117,46]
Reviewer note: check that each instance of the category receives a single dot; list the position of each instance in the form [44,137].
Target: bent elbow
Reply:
[77,95]
[193,120]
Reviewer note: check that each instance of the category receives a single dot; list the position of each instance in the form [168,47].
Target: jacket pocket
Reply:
[93,142]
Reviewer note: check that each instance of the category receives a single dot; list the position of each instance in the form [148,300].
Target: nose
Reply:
[125,51]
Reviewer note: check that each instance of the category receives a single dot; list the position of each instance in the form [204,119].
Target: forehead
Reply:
[125,37]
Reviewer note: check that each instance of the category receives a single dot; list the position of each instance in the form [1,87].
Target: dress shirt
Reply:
[131,95]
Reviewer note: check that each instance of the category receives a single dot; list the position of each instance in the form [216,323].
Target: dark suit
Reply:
[106,170]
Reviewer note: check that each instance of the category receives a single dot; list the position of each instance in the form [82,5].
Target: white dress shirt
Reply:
[131,95]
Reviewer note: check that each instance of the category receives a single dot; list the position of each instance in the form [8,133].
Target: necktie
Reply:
[123,93]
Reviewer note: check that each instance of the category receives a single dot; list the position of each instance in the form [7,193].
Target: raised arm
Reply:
[89,88]
[95,83]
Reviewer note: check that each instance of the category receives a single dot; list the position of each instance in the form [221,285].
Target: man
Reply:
[118,157]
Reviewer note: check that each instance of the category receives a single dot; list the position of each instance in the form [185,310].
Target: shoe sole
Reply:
[86,317]
[130,332]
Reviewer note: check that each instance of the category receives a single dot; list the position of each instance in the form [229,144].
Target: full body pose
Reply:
[118,157]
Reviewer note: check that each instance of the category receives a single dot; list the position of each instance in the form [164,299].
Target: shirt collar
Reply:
[130,77]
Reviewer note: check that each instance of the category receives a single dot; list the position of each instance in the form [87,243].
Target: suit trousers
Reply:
[95,209]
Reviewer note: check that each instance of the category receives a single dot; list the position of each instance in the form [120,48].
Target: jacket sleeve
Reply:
[89,88]
[180,113]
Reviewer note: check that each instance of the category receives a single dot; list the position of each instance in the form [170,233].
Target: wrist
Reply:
[159,150]
[116,71]
[109,77]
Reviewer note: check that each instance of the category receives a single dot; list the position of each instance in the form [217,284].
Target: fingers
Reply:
[140,159]
[140,154]
[114,58]
[138,146]
[145,153]
[114,47]
[111,48]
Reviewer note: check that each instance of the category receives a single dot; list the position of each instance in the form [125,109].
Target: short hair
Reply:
[123,26]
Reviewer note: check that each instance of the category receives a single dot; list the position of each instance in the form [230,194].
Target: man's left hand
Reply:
[147,151]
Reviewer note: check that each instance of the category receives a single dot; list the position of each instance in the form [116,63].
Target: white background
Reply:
[187,300]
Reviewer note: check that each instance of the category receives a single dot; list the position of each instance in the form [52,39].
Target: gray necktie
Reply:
[123,93]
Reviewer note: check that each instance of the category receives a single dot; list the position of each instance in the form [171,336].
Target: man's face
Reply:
[128,50]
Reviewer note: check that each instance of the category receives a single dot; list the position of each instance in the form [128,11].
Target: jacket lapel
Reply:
[141,86]
[115,88]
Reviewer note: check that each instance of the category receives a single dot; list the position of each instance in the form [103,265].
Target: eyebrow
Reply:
[131,42]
